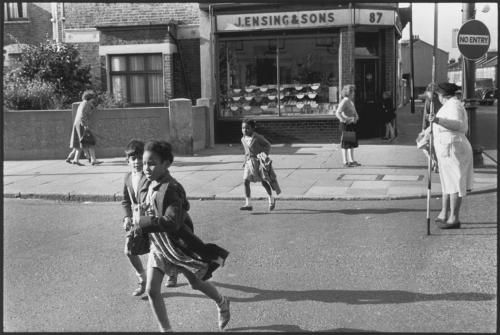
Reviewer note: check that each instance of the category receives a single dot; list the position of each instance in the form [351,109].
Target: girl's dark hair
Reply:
[161,148]
[251,123]
[134,148]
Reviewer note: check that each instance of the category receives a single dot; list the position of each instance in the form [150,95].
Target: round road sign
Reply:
[473,39]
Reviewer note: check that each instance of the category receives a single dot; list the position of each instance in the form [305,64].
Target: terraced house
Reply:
[281,64]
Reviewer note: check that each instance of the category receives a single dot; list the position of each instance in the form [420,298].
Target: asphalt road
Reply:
[487,129]
[308,266]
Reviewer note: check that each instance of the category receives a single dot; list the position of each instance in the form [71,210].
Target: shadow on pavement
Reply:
[295,211]
[295,328]
[351,297]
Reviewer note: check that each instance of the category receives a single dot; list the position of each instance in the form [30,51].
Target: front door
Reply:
[367,80]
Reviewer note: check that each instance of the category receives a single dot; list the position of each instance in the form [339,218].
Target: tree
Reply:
[58,64]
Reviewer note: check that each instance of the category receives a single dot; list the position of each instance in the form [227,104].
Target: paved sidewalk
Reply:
[394,170]
[305,171]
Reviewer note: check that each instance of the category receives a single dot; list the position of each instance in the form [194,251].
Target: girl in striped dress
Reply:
[168,255]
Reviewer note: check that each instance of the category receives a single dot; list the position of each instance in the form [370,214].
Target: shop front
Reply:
[285,68]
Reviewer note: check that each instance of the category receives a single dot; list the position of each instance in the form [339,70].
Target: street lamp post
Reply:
[468,88]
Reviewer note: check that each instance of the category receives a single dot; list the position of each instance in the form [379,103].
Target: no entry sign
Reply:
[473,39]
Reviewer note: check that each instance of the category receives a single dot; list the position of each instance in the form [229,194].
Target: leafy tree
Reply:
[58,64]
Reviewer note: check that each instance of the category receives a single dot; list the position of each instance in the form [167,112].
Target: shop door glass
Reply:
[366,81]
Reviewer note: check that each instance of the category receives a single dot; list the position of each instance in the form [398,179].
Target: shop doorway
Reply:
[367,81]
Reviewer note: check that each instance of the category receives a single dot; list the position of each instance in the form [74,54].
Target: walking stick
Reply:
[431,138]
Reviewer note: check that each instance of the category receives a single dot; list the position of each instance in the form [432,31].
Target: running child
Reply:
[257,165]
[135,189]
[167,214]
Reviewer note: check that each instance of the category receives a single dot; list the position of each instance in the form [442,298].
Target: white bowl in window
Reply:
[300,105]
[248,98]
[236,98]
[247,108]
[271,97]
[282,88]
[234,108]
[312,95]
[236,90]
[248,89]
[300,95]
[298,88]
[282,95]
[264,88]
[282,106]
[315,86]
[314,104]
[264,107]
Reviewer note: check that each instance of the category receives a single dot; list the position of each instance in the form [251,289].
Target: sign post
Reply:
[473,40]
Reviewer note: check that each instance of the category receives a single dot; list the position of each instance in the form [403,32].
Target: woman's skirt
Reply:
[349,140]
[251,170]
[455,164]
[76,137]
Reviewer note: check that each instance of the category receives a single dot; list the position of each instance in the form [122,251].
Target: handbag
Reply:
[87,138]
[349,136]
[137,244]
[423,139]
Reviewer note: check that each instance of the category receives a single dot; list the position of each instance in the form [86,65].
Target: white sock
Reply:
[247,201]
[270,199]
[141,276]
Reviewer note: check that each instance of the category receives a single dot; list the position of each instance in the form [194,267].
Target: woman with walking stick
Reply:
[454,154]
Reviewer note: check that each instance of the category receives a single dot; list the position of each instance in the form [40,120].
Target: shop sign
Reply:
[375,17]
[284,20]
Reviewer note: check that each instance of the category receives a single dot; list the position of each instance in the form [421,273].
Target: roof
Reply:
[416,40]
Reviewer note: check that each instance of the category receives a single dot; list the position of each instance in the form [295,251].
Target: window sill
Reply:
[17,21]
[284,117]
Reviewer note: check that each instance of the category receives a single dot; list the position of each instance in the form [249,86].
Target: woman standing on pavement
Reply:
[454,154]
[348,117]
[81,136]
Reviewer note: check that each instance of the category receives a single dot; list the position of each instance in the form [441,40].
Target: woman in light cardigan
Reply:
[454,154]
[348,117]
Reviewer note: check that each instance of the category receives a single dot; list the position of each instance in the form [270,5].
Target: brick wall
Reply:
[33,31]
[89,53]
[87,15]
[389,60]
[283,131]
[347,40]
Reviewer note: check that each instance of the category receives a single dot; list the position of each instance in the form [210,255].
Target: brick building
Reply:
[25,23]
[285,64]
[142,53]
[422,58]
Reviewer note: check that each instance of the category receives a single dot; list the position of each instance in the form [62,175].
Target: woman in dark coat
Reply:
[80,126]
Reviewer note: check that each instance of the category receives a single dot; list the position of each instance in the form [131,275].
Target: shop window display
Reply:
[284,76]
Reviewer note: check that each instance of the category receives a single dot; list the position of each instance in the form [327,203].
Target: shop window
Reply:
[137,79]
[15,11]
[278,76]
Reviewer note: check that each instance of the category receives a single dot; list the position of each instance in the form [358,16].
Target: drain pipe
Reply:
[183,69]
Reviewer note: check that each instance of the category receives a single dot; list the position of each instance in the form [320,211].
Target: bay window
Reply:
[137,79]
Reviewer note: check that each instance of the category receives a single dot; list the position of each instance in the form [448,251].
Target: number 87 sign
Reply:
[375,17]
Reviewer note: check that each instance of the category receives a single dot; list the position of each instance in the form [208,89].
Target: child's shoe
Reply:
[224,313]
[140,289]
[171,281]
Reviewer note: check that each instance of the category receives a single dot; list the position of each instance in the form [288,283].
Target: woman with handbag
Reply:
[348,117]
[81,136]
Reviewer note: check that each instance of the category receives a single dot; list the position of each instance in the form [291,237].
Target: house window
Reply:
[15,11]
[137,79]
